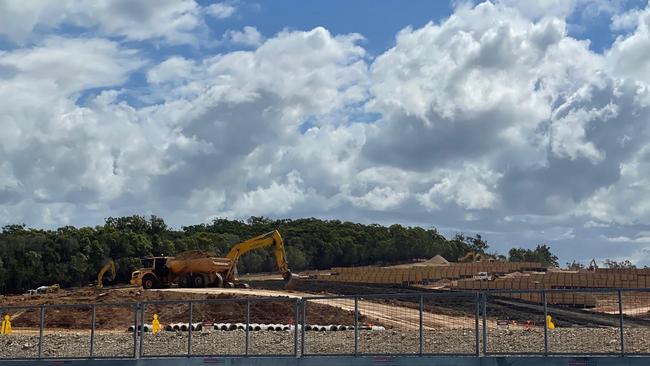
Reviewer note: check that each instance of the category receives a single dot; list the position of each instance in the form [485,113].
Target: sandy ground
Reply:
[394,316]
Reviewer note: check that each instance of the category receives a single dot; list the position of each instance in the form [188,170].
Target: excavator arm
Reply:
[110,265]
[272,238]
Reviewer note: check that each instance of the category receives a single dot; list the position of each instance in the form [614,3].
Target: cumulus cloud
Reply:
[170,20]
[249,36]
[221,10]
[495,116]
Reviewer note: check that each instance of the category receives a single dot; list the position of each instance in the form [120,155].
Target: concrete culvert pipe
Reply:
[176,326]
[343,327]
[197,327]
[377,327]
[257,327]
[286,327]
[241,326]
[131,328]
[147,328]
[222,326]
[169,328]
[184,327]
[264,327]
[308,327]
[232,326]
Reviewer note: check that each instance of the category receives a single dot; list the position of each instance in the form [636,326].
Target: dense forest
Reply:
[72,256]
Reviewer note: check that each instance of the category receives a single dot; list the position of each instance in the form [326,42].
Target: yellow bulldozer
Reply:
[199,269]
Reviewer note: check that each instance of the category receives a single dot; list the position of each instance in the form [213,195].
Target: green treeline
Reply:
[72,256]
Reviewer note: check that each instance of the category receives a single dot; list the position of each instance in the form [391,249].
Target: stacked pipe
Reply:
[183,327]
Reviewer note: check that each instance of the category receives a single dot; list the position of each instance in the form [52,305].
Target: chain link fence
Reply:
[499,322]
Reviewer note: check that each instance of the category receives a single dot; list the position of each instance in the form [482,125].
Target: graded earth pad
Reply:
[226,308]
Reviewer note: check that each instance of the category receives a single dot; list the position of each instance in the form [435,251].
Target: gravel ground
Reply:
[388,341]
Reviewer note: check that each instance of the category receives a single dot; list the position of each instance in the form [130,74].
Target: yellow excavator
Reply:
[200,269]
[109,266]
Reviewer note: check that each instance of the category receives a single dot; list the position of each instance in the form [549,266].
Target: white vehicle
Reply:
[483,276]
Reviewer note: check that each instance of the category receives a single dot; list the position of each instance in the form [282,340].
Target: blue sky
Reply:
[523,121]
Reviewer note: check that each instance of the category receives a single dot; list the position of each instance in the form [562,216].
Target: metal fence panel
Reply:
[272,327]
[222,330]
[389,325]
[514,322]
[114,336]
[329,327]
[165,343]
[585,322]
[24,340]
[636,321]
[449,324]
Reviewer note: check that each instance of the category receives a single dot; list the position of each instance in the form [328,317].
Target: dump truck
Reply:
[200,269]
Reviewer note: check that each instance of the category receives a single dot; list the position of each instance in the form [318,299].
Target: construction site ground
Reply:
[448,322]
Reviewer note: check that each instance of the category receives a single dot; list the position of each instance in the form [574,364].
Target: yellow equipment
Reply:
[110,265]
[199,269]
[6,325]
[262,241]
[155,324]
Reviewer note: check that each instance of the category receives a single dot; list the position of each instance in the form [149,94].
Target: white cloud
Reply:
[379,199]
[175,68]
[628,56]
[221,10]
[626,239]
[277,198]
[472,189]
[170,20]
[249,36]
[494,117]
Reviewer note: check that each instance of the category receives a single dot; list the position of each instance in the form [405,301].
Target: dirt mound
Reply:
[226,308]
[194,254]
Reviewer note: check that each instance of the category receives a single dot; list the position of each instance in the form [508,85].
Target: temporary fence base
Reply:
[358,361]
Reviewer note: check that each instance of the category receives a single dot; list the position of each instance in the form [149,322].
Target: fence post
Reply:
[92,331]
[545,325]
[40,331]
[135,331]
[302,328]
[620,312]
[421,327]
[296,320]
[248,322]
[356,326]
[476,326]
[189,330]
[142,309]
[484,324]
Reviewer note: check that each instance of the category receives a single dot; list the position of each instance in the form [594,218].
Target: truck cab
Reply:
[155,265]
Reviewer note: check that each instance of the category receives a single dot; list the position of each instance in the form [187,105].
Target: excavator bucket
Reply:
[292,281]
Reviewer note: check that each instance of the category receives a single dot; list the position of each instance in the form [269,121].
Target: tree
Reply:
[542,254]
[575,265]
[625,264]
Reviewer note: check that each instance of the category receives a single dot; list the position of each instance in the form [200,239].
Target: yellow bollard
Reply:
[155,324]
[549,322]
[6,325]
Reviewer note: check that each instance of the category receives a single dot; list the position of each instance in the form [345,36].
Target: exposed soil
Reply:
[226,308]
